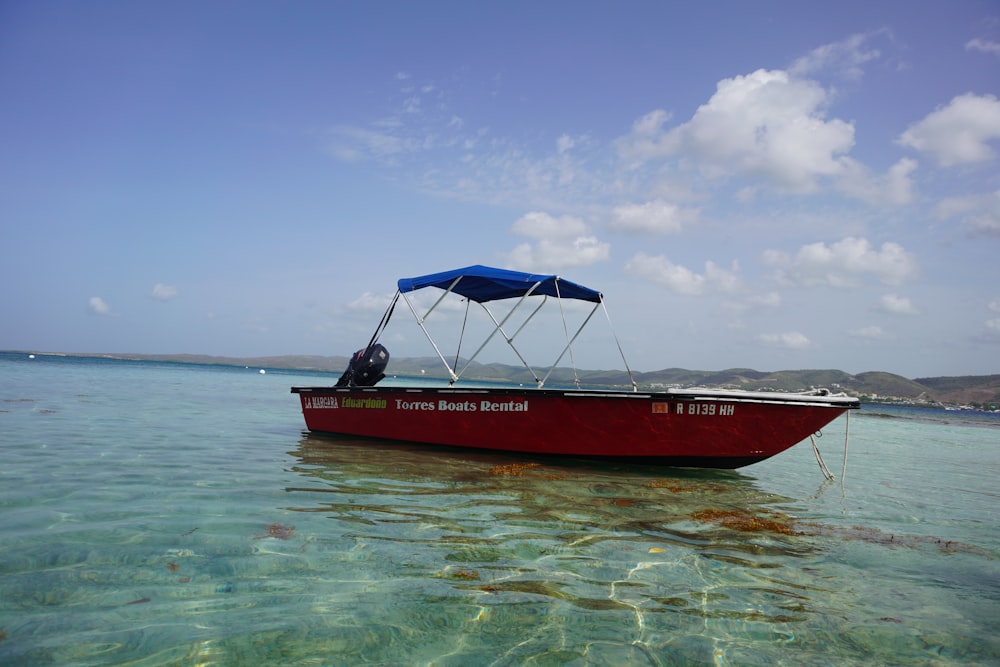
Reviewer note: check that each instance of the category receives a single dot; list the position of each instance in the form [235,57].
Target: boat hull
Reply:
[710,429]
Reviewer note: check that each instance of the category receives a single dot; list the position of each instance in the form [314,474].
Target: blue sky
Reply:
[769,185]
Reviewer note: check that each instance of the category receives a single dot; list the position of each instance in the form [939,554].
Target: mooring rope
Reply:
[847,435]
[819,459]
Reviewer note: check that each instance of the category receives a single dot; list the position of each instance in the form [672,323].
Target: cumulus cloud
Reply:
[98,306]
[764,124]
[980,214]
[789,340]
[162,292]
[959,132]
[560,243]
[994,305]
[872,332]
[655,217]
[843,264]
[898,305]
[660,270]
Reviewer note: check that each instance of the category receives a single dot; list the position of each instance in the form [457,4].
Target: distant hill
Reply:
[982,389]
[872,385]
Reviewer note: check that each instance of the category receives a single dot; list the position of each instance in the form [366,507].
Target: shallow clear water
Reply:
[178,514]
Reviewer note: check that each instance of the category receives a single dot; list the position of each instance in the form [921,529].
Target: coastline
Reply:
[981,392]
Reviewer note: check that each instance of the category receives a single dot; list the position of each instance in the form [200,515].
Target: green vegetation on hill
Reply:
[972,389]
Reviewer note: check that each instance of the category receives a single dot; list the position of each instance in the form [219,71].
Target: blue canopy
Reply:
[484,283]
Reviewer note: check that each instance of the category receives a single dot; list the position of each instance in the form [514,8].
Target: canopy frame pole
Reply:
[545,298]
[420,321]
[510,339]
[461,335]
[569,343]
[498,327]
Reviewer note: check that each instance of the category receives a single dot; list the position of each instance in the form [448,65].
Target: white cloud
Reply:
[370,302]
[680,279]
[766,123]
[724,280]
[983,45]
[993,324]
[554,255]
[843,264]
[565,143]
[354,144]
[872,332]
[992,331]
[769,300]
[959,132]
[98,306]
[655,217]
[845,57]
[894,188]
[745,303]
[980,214]
[560,243]
[898,305]
[647,140]
[162,292]
[661,270]
[539,225]
[790,340]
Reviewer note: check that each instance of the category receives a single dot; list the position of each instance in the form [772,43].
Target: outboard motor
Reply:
[366,367]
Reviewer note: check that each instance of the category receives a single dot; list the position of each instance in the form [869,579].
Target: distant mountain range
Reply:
[873,385]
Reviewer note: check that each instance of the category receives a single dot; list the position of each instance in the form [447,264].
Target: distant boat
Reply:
[685,427]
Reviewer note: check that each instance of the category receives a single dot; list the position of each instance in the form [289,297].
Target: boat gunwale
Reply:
[715,395]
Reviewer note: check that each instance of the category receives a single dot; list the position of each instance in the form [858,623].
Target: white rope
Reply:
[635,387]
[819,459]
[847,435]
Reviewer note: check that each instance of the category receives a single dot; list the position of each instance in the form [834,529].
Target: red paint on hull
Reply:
[711,429]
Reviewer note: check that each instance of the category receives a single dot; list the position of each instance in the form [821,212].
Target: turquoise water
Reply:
[171,514]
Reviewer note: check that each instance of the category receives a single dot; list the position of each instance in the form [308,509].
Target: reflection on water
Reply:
[478,557]
[575,561]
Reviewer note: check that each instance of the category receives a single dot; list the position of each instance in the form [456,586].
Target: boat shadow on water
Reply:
[720,514]
[586,543]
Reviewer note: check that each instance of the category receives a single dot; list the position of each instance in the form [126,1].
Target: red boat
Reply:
[692,427]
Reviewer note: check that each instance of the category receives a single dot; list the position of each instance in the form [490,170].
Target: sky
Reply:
[769,185]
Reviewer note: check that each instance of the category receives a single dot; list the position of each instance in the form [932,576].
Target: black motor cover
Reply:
[366,367]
